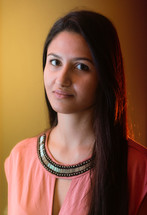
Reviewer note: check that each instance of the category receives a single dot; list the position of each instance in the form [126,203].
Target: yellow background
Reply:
[24,25]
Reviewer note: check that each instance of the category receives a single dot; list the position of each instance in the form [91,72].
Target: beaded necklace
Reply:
[57,169]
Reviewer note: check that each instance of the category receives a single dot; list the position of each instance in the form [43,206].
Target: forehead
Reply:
[70,43]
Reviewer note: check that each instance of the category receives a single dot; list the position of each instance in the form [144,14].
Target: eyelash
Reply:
[83,67]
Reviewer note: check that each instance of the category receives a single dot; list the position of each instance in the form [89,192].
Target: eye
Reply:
[82,66]
[55,62]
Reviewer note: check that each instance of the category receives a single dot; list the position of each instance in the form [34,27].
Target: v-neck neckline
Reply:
[66,196]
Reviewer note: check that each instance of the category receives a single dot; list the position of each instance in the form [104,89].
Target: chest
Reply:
[50,196]
[60,192]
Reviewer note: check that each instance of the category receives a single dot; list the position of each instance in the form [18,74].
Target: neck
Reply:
[75,129]
[76,126]
[72,140]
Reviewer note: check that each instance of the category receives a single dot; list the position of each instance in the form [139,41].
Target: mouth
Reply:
[62,94]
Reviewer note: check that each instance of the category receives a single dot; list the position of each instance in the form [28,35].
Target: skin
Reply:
[70,77]
[71,82]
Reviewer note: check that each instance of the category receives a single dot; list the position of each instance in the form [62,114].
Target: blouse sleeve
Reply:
[137,176]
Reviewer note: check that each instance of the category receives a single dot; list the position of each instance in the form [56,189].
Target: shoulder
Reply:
[23,147]
[137,155]
[137,148]
[137,160]
[137,163]
[26,146]
[22,156]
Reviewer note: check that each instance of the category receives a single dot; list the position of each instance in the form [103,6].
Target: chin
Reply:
[64,110]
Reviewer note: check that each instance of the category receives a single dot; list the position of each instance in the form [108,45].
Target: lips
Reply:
[62,94]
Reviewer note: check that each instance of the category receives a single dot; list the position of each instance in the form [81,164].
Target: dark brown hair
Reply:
[109,185]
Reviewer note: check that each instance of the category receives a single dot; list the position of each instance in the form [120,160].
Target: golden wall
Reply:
[24,25]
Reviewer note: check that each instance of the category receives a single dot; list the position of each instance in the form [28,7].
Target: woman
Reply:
[85,164]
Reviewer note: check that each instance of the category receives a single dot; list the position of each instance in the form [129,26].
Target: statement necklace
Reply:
[57,169]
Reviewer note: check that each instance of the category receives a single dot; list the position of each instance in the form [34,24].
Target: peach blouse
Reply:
[31,185]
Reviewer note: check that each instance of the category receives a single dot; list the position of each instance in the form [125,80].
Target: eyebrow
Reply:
[54,55]
[76,58]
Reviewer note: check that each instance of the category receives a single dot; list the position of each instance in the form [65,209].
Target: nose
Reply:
[64,77]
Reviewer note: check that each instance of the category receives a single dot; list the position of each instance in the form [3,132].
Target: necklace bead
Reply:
[57,169]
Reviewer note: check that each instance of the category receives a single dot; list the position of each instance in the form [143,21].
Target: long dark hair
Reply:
[109,185]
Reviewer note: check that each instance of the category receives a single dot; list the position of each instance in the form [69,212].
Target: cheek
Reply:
[87,91]
[47,79]
[47,85]
[89,86]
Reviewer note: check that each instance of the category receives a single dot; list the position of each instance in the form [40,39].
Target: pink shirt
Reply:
[137,176]
[31,186]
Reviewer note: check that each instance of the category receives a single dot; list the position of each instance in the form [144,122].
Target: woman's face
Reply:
[70,76]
